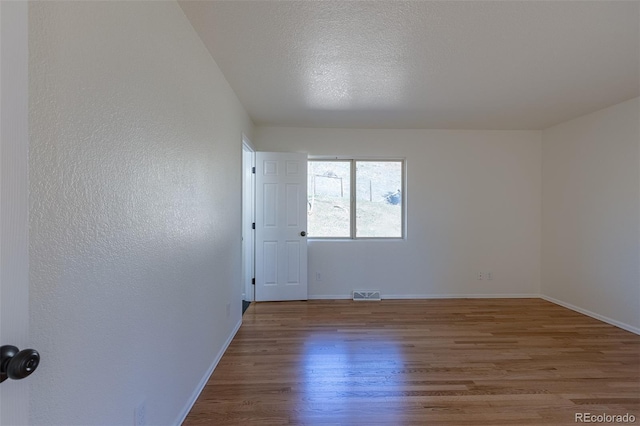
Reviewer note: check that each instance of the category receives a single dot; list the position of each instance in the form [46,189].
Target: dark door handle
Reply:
[16,364]
[303,234]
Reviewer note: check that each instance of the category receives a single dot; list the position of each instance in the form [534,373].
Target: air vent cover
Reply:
[366,295]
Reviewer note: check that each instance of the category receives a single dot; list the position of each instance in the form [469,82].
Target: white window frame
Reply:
[352,196]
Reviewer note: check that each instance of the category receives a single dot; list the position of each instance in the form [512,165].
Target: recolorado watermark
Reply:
[604,418]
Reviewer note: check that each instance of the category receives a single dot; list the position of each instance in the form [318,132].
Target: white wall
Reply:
[14,200]
[135,211]
[591,214]
[474,202]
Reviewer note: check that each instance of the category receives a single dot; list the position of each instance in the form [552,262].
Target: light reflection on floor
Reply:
[341,368]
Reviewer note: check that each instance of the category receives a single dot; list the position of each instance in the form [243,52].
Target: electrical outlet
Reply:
[318,276]
[140,414]
[480,276]
[489,276]
[228,309]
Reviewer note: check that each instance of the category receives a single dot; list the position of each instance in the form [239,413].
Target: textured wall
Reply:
[135,210]
[591,213]
[473,202]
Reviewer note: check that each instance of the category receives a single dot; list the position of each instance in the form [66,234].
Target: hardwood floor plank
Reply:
[416,362]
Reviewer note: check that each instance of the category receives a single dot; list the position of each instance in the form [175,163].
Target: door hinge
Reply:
[253,281]
[253,225]
[253,170]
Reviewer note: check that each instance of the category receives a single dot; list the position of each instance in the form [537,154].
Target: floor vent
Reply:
[366,295]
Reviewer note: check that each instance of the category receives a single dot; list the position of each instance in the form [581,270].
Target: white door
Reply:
[281,226]
[14,224]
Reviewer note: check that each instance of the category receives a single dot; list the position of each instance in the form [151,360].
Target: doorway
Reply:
[248,218]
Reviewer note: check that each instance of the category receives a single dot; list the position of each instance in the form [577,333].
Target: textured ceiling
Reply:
[423,64]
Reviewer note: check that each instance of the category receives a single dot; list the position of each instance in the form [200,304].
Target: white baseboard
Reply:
[198,390]
[608,320]
[430,296]
[460,296]
[329,296]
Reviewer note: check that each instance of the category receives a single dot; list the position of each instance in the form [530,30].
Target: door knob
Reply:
[16,364]
[303,234]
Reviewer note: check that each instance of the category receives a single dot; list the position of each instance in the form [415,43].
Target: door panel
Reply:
[270,205]
[293,262]
[270,270]
[293,204]
[281,249]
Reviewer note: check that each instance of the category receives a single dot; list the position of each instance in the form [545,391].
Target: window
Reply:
[355,198]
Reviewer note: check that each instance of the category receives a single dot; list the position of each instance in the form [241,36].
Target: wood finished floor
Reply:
[450,362]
